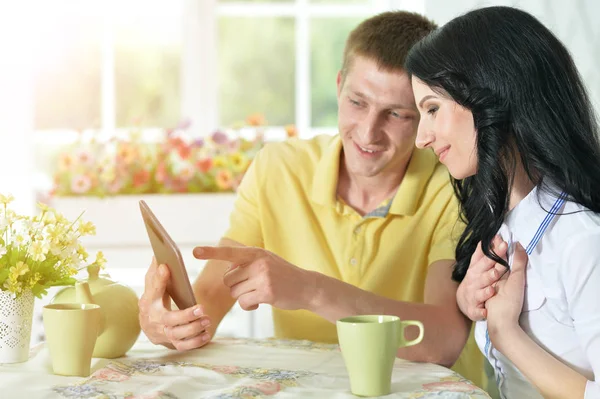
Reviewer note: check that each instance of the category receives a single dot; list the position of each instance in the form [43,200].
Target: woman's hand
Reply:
[477,286]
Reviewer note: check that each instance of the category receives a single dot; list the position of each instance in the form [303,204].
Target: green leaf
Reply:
[39,290]
[3,275]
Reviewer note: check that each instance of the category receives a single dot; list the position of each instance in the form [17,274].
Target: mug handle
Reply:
[404,324]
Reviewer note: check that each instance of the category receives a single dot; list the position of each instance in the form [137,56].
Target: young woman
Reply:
[504,108]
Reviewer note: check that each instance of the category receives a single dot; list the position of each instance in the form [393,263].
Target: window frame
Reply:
[199,69]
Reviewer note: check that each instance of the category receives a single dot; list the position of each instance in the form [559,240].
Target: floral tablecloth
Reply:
[224,369]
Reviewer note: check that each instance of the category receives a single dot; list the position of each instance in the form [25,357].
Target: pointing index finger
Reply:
[236,255]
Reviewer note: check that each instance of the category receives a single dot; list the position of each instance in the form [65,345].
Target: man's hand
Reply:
[258,276]
[478,284]
[506,306]
[178,329]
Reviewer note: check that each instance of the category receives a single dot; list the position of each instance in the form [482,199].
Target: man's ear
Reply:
[339,83]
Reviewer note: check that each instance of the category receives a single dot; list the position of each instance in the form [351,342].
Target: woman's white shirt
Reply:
[561,311]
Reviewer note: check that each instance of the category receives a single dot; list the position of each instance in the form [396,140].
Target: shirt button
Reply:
[353,261]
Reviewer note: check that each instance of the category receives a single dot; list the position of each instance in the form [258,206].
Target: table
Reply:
[224,369]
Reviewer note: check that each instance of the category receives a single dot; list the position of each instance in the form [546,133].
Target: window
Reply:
[281,57]
[107,65]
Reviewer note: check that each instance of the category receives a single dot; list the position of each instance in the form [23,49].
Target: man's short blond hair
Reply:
[386,39]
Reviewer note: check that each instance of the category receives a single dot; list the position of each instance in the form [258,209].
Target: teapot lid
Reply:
[93,271]
[95,279]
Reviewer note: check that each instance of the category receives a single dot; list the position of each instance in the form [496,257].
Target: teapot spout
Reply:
[83,293]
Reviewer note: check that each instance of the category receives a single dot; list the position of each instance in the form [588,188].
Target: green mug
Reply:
[71,330]
[369,345]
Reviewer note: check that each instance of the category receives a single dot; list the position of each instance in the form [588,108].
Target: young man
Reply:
[359,223]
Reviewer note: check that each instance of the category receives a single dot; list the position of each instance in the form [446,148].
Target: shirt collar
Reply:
[535,210]
[324,185]
[420,168]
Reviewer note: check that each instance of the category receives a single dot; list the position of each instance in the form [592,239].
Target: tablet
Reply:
[167,253]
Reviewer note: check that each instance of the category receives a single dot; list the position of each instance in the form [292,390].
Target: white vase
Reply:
[16,316]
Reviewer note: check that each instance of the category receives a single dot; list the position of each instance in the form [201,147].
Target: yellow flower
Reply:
[43,207]
[49,218]
[61,219]
[6,199]
[86,228]
[100,259]
[219,162]
[38,251]
[33,280]
[30,240]
[13,286]
[20,240]
[54,233]
[82,252]
[239,161]
[20,269]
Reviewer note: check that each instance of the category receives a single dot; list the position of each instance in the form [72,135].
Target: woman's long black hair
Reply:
[529,105]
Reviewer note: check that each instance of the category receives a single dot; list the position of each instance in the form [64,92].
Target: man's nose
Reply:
[369,130]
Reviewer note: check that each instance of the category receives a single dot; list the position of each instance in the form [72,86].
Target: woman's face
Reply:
[448,129]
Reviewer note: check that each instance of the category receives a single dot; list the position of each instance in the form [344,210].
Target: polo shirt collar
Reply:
[324,184]
[420,168]
[405,202]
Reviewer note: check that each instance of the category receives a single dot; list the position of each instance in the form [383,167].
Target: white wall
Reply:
[574,22]
[16,107]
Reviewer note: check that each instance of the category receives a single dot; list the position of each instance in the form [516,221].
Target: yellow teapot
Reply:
[119,306]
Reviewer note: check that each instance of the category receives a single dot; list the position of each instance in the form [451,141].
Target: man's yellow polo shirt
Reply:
[287,204]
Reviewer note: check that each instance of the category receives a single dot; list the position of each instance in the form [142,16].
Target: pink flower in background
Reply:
[234,145]
[131,165]
[184,151]
[176,142]
[141,178]
[199,143]
[219,137]
[185,172]
[178,185]
[184,124]
[127,153]
[161,173]
[81,184]
[85,158]
[115,186]
[204,164]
